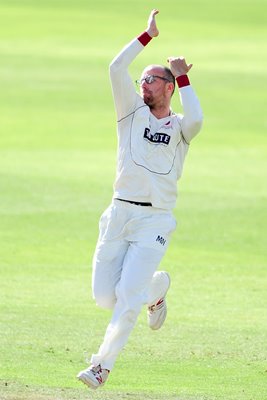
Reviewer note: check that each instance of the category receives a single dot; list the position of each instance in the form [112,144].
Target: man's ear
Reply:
[170,87]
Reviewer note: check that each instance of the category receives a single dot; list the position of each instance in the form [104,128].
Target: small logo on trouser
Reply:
[161,240]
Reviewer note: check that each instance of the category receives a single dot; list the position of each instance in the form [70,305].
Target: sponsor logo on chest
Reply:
[160,138]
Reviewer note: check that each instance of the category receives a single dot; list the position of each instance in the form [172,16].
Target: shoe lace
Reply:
[97,370]
[157,306]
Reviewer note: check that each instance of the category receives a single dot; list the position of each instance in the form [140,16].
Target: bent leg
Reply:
[107,267]
[138,268]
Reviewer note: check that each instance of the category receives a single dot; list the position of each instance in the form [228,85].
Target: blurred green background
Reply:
[57,165]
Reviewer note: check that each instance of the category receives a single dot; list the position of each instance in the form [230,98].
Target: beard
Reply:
[148,98]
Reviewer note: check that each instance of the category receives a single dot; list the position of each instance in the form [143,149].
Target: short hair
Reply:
[167,72]
[169,75]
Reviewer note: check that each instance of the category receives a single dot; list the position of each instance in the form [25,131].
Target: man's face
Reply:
[155,93]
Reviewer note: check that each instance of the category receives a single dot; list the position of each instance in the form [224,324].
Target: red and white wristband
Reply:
[144,38]
[183,80]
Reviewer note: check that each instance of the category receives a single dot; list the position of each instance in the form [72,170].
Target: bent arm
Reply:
[124,93]
[192,118]
[123,88]
[192,112]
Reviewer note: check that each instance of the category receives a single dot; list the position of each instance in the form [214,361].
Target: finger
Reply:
[190,66]
[153,13]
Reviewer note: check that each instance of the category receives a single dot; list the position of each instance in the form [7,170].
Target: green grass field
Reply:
[57,165]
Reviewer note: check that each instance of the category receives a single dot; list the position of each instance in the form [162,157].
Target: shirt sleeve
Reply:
[192,113]
[123,88]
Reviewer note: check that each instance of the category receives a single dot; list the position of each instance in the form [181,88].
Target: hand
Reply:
[152,29]
[178,66]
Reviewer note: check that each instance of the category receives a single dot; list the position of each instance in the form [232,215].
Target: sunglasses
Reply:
[150,79]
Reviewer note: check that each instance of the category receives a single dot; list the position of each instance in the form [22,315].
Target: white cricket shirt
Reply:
[151,151]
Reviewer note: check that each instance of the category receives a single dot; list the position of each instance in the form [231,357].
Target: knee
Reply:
[131,299]
[104,300]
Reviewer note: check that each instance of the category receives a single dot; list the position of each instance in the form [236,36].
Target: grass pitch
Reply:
[57,165]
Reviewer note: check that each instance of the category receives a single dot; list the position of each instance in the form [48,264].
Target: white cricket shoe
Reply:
[157,308]
[94,377]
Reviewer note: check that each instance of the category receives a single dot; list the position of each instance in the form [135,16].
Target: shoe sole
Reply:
[156,327]
[168,287]
[169,283]
[162,320]
[87,382]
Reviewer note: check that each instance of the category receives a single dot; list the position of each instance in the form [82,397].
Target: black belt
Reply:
[137,203]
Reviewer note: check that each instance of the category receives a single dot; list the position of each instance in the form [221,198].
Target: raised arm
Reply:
[124,93]
[192,113]
[152,28]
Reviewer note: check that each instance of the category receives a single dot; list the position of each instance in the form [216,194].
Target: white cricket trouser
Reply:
[132,241]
